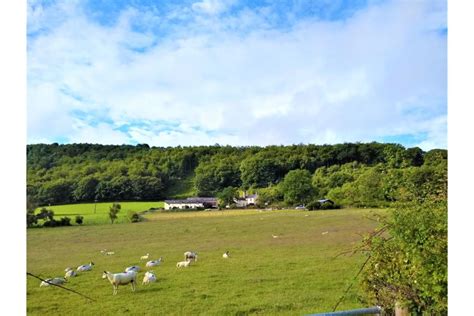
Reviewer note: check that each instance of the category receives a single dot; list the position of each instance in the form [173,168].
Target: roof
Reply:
[325,200]
[251,196]
[192,200]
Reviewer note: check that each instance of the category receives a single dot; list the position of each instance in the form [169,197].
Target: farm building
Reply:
[191,202]
[247,200]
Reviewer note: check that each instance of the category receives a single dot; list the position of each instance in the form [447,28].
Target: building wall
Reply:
[182,205]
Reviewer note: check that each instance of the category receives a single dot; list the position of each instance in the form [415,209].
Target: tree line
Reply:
[349,173]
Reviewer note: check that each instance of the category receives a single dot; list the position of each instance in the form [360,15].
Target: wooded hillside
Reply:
[350,173]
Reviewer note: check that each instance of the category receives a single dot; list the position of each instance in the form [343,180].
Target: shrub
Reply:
[409,264]
[313,205]
[65,221]
[79,219]
[134,217]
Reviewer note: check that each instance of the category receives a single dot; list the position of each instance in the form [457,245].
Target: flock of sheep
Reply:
[129,276]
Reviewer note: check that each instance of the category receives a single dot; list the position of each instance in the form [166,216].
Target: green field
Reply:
[97,213]
[294,274]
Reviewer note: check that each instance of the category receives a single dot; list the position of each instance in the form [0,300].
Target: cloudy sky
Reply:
[201,72]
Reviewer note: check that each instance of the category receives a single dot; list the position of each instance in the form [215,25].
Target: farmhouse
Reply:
[191,202]
[247,200]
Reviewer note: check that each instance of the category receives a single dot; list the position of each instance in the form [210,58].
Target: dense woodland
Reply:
[356,174]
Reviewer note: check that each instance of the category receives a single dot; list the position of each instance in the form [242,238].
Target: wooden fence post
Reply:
[401,310]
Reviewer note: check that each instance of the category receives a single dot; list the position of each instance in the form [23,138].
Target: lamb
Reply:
[226,255]
[123,278]
[133,268]
[85,267]
[154,263]
[183,264]
[70,273]
[145,257]
[56,281]
[149,277]
[191,255]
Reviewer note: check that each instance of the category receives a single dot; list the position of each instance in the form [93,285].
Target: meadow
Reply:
[296,273]
[97,213]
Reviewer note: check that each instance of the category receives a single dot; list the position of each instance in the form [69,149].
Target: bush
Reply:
[313,205]
[65,221]
[79,219]
[409,264]
[134,217]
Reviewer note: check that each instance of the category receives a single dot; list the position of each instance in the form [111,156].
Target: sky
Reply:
[230,72]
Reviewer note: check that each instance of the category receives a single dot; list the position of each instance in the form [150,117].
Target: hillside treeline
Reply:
[361,174]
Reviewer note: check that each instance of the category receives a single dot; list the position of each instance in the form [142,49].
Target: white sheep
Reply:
[145,257]
[183,264]
[154,263]
[226,255]
[149,277]
[123,278]
[53,281]
[70,273]
[191,255]
[85,267]
[133,268]
[110,253]
[67,269]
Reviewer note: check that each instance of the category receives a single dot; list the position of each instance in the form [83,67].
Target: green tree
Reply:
[113,211]
[297,188]
[227,196]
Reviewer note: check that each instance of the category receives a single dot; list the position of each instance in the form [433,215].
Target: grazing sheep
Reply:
[85,267]
[226,255]
[145,257]
[70,273]
[110,253]
[133,268]
[183,264]
[67,269]
[53,281]
[154,263]
[123,278]
[324,233]
[275,236]
[149,277]
[191,255]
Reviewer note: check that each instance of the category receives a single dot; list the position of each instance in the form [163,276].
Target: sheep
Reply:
[190,255]
[67,269]
[70,273]
[123,278]
[133,268]
[110,253]
[226,255]
[56,281]
[145,257]
[149,277]
[154,263]
[183,264]
[85,267]
[275,236]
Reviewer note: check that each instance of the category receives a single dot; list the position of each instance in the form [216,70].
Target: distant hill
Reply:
[59,174]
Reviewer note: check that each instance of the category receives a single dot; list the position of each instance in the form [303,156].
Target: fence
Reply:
[376,310]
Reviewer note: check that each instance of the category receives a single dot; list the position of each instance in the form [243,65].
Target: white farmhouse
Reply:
[191,203]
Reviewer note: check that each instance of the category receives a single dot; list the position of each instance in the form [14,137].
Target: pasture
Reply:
[97,213]
[293,274]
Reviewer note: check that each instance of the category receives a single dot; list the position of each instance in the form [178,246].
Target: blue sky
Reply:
[200,72]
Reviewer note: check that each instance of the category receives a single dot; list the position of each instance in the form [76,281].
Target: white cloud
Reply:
[212,7]
[381,72]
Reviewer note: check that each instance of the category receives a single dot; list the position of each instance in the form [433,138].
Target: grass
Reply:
[293,274]
[182,189]
[99,213]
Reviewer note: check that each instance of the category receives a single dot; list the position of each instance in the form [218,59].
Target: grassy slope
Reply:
[182,189]
[294,274]
[98,214]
